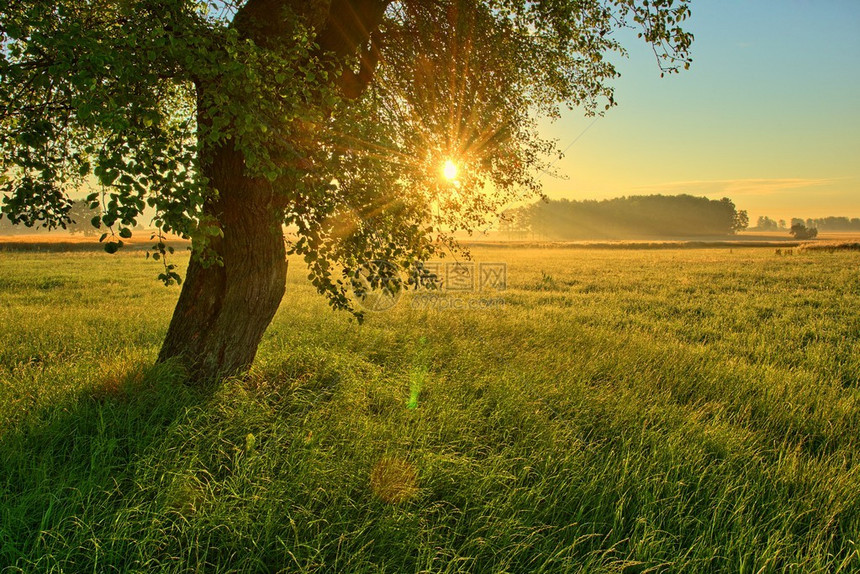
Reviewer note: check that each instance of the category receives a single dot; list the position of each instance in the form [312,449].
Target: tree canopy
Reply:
[332,117]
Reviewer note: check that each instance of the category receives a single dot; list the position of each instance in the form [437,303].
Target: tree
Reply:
[800,231]
[741,221]
[233,118]
[766,224]
[80,216]
[737,220]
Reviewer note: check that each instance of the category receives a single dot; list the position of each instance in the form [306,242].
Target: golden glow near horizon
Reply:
[759,117]
[449,170]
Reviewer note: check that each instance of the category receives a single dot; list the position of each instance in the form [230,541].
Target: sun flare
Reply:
[449,170]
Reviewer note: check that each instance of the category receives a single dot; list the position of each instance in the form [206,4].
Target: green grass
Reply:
[678,410]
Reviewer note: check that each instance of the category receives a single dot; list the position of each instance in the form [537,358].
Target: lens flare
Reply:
[394,480]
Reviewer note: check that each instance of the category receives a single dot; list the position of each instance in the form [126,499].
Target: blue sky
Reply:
[769,114]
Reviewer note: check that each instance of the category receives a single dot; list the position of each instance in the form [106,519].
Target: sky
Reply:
[768,115]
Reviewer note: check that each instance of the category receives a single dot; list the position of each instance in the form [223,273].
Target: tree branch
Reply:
[354,84]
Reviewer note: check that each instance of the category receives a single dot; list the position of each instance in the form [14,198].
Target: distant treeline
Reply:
[80,216]
[626,217]
[9,228]
[765,223]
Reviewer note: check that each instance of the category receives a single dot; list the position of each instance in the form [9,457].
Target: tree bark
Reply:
[223,310]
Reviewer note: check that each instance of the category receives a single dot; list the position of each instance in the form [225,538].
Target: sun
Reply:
[449,170]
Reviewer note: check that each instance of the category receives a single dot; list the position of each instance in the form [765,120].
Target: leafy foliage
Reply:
[138,96]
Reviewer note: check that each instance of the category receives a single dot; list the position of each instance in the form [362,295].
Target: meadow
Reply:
[624,410]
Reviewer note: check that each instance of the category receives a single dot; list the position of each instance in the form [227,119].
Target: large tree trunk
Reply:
[223,310]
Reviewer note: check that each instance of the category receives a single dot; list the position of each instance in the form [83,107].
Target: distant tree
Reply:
[81,215]
[513,224]
[742,221]
[765,223]
[796,221]
[782,224]
[800,231]
[735,220]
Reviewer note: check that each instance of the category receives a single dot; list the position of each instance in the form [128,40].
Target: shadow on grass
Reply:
[70,462]
[303,467]
[129,475]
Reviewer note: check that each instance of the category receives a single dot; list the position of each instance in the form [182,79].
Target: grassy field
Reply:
[677,410]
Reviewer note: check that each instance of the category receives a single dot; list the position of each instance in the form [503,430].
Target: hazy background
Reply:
[769,115]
